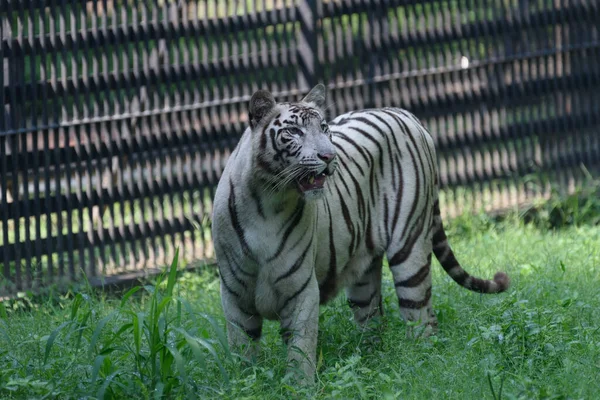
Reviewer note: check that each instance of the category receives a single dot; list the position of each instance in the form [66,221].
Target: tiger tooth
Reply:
[311,180]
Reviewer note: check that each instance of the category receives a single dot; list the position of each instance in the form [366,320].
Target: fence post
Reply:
[306,42]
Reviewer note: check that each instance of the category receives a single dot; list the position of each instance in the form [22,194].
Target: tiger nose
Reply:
[327,157]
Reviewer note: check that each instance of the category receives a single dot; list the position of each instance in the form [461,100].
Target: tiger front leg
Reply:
[244,324]
[299,329]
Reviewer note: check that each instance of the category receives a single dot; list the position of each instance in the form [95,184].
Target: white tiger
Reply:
[304,209]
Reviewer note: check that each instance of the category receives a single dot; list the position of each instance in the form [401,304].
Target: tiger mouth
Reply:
[311,182]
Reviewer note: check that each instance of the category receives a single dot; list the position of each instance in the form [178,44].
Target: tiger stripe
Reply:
[294,295]
[239,230]
[328,286]
[297,264]
[291,226]
[418,277]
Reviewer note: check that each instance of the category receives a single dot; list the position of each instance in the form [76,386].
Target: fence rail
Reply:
[118,115]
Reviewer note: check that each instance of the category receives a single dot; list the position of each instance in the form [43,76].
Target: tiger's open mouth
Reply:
[311,182]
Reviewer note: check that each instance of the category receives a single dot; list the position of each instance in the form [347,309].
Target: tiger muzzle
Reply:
[313,181]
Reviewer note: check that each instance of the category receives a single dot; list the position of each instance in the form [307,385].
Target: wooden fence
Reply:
[118,116]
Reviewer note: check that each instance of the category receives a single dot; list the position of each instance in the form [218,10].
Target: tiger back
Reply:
[305,209]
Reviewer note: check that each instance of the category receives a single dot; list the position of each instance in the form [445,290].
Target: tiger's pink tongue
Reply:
[312,183]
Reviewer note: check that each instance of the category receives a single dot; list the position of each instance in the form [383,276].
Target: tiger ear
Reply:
[317,96]
[261,104]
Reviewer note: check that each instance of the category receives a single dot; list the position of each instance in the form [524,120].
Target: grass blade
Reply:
[127,295]
[186,305]
[75,306]
[106,383]
[96,368]
[166,365]
[165,301]
[149,289]
[137,332]
[211,350]
[178,317]
[4,330]
[220,334]
[179,362]
[52,338]
[158,391]
[489,377]
[3,314]
[196,350]
[172,274]
[97,332]
[82,325]
[127,327]
[218,330]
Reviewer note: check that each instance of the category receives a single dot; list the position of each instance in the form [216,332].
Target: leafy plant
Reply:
[161,343]
[580,207]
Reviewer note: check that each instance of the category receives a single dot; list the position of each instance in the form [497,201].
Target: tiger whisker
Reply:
[277,177]
[283,178]
[284,173]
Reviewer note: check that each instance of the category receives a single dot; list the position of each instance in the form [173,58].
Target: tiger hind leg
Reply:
[364,297]
[411,269]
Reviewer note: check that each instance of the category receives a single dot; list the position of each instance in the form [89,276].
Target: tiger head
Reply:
[292,145]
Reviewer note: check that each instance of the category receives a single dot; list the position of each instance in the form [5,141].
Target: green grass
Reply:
[539,340]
